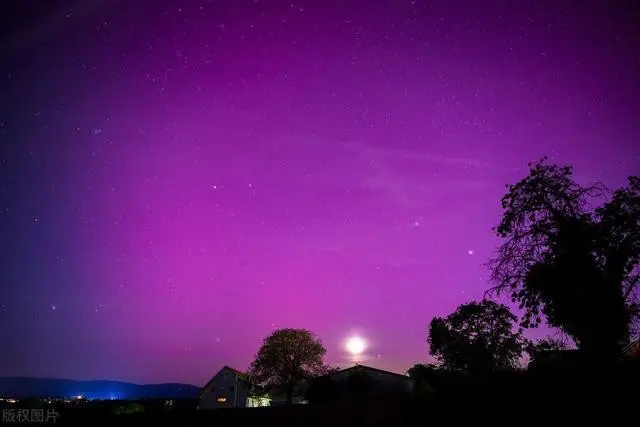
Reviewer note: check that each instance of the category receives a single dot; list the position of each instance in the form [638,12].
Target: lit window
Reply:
[222,399]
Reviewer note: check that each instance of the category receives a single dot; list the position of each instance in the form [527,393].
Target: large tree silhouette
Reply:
[286,359]
[569,263]
[477,337]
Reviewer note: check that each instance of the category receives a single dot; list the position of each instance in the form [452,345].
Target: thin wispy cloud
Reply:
[384,170]
[389,173]
[392,153]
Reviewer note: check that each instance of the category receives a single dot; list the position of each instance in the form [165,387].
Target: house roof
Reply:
[370,369]
[241,375]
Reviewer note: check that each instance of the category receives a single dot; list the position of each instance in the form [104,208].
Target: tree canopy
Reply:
[566,262]
[420,371]
[286,359]
[546,344]
[477,337]
[428,376]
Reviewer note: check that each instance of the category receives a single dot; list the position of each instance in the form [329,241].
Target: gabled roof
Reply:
[243,376]
[240,374]
[370,369]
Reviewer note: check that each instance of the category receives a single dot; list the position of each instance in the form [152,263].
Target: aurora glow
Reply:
[180,178]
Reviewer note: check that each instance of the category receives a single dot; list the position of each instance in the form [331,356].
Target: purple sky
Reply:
[180,178]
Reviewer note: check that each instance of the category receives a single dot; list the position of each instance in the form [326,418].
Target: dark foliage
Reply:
[287,358]
[477,337]
[570,264]
[430,379]
[424,375]
[548,344]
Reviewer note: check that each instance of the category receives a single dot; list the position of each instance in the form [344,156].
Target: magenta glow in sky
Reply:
[179,179]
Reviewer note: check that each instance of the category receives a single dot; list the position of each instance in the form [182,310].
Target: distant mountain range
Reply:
[22,387]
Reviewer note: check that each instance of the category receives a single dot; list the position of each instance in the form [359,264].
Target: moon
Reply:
[355,345]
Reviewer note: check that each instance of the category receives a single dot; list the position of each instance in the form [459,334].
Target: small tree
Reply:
[423,372]
[286,359]
[426,378]
[477,337]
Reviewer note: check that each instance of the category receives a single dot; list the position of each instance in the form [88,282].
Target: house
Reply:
[230,388]
[358,382]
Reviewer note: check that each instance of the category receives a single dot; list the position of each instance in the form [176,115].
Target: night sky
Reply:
[179,178]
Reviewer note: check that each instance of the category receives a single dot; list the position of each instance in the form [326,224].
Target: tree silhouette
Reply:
[422,371]
[427,377]
[477,337]
[546,344]
[574,266]
[286,359]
